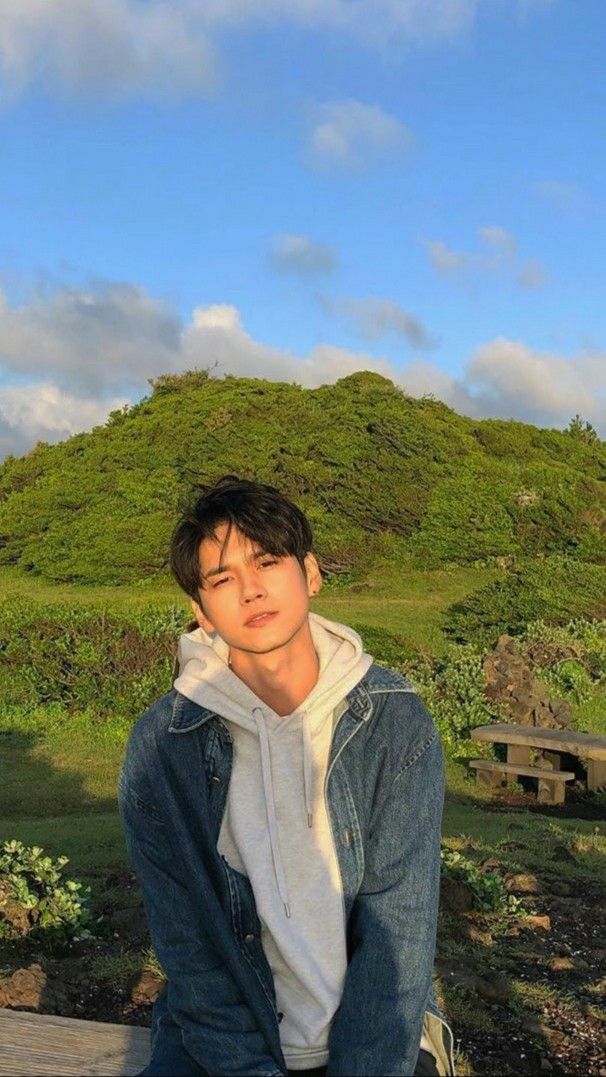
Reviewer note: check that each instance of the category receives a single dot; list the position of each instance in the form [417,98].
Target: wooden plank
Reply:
[518,768]
[596,775]
[519,753]
[582,744]
[37,1045]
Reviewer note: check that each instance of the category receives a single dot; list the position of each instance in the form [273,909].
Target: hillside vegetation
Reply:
[382,476]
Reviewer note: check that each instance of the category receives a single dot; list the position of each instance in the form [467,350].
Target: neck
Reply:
[283,677]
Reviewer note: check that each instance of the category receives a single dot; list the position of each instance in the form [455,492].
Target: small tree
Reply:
[583,430]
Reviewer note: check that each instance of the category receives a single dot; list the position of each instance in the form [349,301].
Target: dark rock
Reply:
[455,896]
[491,864]
[552,1036]
[493,988]
[475,934]
[560,852]
[129,922]
[560,887]
[562,964]
[509,679]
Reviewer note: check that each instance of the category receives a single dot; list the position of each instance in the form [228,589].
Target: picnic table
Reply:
[535,752]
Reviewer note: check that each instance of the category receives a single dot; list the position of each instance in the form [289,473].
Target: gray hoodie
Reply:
[276,828]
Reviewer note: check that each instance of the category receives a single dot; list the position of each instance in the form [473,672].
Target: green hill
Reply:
[382,476]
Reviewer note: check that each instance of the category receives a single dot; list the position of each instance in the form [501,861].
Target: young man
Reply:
[282,809]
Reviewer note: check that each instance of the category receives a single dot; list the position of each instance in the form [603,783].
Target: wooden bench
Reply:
[548,745]
[37,1045]
[551,782]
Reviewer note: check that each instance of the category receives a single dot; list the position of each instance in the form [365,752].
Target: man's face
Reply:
[258,601]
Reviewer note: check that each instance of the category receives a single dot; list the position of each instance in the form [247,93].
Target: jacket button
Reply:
[216,779]
[249,938]
[347,837]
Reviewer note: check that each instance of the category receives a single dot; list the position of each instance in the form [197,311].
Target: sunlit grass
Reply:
[409,603]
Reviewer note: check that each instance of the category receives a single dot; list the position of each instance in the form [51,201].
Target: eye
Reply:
[272,561]
[219,582]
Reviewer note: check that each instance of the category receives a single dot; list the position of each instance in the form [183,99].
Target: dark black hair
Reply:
[261,512]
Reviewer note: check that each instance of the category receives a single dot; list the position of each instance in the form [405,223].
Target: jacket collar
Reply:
[187,715]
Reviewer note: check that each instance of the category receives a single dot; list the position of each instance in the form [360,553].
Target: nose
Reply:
[252,588]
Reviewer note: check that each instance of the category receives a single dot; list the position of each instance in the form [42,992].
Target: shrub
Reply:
[453,689]
[37,901]
[570,658]
[487,887]
[387,648]
[554,590]
[106,661]
[580,638]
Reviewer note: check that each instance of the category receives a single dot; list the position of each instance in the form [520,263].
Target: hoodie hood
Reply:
[206,678]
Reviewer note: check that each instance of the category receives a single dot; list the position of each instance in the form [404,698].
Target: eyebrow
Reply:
[254,556]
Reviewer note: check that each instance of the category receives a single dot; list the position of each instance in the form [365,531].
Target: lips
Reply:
[261,619]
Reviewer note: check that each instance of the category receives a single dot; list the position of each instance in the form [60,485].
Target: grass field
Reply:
[58,791]
[410,603]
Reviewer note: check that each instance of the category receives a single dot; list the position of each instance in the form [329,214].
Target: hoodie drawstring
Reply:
[307,767]
[270,808]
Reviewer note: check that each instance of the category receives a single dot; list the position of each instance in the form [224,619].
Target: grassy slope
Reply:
[379,474]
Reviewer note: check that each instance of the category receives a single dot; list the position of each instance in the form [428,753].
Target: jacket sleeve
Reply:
[204,1024]
[392,926]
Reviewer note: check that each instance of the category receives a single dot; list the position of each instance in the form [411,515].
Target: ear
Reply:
[313,574]
[201,618]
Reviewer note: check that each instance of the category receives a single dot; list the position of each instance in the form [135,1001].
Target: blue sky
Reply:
[296,190]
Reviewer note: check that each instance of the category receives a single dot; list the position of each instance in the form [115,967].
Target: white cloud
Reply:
[119,48]
[374,21]
[499,238]
[374,318]
[301,255]
[89,339]
[79,354]
[349,134]
[167,48]
[507,379]
[565,196]
[499,257]
[43,412]
[444,259]
[216,336]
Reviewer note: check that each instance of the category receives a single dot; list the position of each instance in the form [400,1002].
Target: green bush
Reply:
[554,590]
[581,639]
[487,887]
[453,689]
[108,661]
[570,658]
[37,901]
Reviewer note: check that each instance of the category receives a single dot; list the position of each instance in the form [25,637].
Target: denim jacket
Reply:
[384,794]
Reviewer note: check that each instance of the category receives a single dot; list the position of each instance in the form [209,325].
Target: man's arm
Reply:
[377,1029]
[206,1017]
